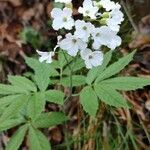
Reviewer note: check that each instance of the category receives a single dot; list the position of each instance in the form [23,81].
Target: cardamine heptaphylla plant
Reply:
[82,59]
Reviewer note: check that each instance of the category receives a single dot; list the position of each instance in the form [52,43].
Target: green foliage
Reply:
[115,67]
[89,100]
[42,72]
[16,140]
[46,120]
[23,101]
[110,96]
[126,83]
[76,80]
[37,141]
[106,87]
[36,105]
[55,96]
[10,123]
[22,82]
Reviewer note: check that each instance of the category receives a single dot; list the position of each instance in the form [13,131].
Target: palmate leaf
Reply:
[17,139]
[46,120]
[7,100]
[10,123]
[110,96]
[14,108]
[115,67]
[37,140]
[10,89]
[36,105]
[42,71]
[89,100]
[22,82]
[75,65]
[126,83]
[63,58]
[77,80]
[94,72]
[55,96]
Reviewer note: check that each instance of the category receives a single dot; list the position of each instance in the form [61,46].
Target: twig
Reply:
[129,16]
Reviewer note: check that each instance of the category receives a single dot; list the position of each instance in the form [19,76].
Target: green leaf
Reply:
[77,80]
[126,83]
[10,123]
[36,105]
[94,72]
[63,58]
[17,139]
[115,67]
[22,82]
[9,89]
[110,96]
[43,71]
[89,101]
[55,96]
[15,107]
[37,140]
[46,120]
[75,65]
[7,100]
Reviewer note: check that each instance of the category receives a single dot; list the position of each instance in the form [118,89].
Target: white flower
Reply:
[58,41]
[72,44]
[109,5]
[83,30]
[88,9]
[62,18]
[105,36]
[45,56]
[63,1]
[115,19]
[92,59]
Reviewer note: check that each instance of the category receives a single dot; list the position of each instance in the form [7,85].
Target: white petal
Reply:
[57,24]
[65,44]
[97,58]
[88,64]
[69,24]
[85,53]
[73,51]
[67,12]
[56,12]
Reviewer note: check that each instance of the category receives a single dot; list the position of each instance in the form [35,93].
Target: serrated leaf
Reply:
[115,67]
[89,100]
[22,82]
[47,120]
[110,96]
[15,107]
[77,80]
[94,72]
[7,100]
[126,83]
[43,71]
[36,105]
[75,65]
[10,123]
[10,89]
[63,58]
[55,96]
[37,140]
[17,139]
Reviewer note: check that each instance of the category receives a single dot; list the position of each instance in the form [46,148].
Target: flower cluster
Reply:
[99,27]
